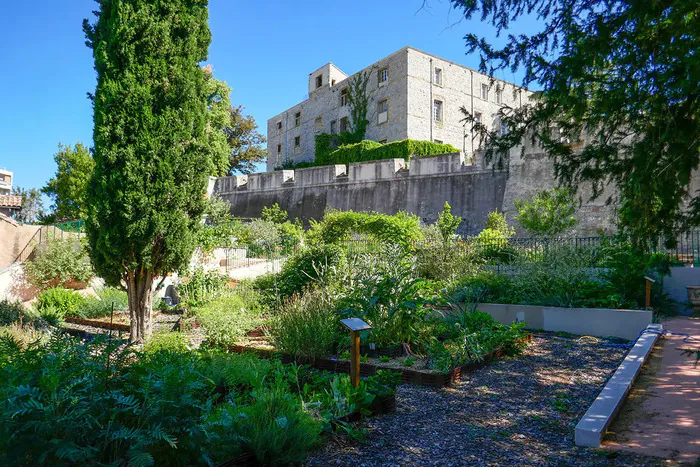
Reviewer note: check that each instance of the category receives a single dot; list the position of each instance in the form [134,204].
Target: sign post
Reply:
[355,325]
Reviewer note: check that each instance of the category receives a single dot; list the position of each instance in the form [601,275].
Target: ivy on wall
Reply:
[368,150]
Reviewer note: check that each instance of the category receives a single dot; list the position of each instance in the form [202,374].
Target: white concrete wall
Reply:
[675,285]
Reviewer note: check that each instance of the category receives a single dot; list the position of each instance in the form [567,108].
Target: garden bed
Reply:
[422,377]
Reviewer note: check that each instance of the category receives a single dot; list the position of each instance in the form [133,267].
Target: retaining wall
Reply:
[675,286]
[600,322]
[387,186]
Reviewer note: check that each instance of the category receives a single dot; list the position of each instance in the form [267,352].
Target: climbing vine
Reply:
[359,103]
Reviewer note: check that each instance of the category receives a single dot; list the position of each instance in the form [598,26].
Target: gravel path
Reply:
[519,411]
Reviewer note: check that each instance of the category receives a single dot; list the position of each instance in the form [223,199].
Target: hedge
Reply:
[368,150]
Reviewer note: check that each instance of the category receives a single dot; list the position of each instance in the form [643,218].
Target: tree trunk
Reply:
[139,285]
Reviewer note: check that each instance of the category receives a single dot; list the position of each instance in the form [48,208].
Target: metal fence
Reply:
[47,233]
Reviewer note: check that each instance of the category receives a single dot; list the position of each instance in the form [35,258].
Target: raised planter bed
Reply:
[98,324]
[599,322]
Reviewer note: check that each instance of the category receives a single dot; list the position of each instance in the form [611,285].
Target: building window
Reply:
[334,127]
[485,92]
[383,76]
[383,111]
[333,83]
[499,94]
[279,126]
[437,141]
[438,76]
[477,117]
[344,97]
[437,111]
[319,81]
[297,119]
[279,149]
[504,128]
[318,124]
[297,142]
[344,124]
[383,141]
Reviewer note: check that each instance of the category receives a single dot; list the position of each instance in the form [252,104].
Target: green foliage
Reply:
[101,306]
[274,214]
[492,242]
[32,210]
[338,226]
[440,260]
[227,318]
[359,102]
[167,342]
[55,303]
[57,263]
[368,150]
[618,75]
[200,287]
[152,152]
[307,325]
[447,223]
[548,214]
[68,187]
[10,312]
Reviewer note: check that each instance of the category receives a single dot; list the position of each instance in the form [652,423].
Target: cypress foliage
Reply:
[147,192]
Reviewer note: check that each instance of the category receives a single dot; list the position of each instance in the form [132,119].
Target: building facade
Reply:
[412,94]
[5,182]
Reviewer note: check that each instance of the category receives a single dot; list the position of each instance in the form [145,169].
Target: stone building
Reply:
[412,94]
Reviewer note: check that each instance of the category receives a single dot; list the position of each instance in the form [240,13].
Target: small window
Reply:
[344,97]
[437,111]
[485,92]
[297,119]
[319,81]
[318,124]
[499,94]
[477,116]
[504,128]
[297,141]
[383,141]
[333,83]
[383,111]
[279,125]
[383,75]
[334,127]
[344,124]
[438,76]
[438,141]
[279,149]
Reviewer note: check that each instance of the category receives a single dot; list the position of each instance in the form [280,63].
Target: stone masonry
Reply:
[423,95]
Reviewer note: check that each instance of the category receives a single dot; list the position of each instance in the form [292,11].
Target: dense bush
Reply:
[10,312]
[368,150]
[226,319]
[57,303]
[307,325]
[200,287]
[65,402]
[101,305]
[58,263]
[338,226]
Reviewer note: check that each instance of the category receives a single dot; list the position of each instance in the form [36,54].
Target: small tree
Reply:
[548,213]
[32,209]
[447,223]
[496,222]
[274,214]
[152,156]
[67,189]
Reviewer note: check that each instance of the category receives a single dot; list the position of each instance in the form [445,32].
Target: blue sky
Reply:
[263,49]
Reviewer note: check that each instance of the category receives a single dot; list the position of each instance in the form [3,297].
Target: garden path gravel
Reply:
[518,411]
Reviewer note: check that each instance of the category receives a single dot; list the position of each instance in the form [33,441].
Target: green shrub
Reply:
[59,302]
[200,287]
[58,263]
[167,342]
[338,226]
[307,325]
[368,150]
[101,306]
[226,319]
[10,312]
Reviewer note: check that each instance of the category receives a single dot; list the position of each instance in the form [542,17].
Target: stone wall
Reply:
[388,186]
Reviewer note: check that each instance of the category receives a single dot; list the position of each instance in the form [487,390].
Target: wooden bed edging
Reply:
[97,324]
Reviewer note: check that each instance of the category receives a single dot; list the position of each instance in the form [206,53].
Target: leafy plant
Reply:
[226,319]
[200,287]
[409,361]
[274,214]
[549,213]
[384,358]
[58,301]
[10,312]
[59,263]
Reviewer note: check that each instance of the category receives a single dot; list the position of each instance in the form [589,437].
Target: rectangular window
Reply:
[383,111]
[344,124]
[279,149]
[319,81]
[279,125]
[477,116]
[384,141]
[344,97]
[383,76]
[297,141]
[297,119]
[485,92]
[438,141]
[318,124]
[504,129]
[334,127]
[437,111]
[438,76]
[499,94]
